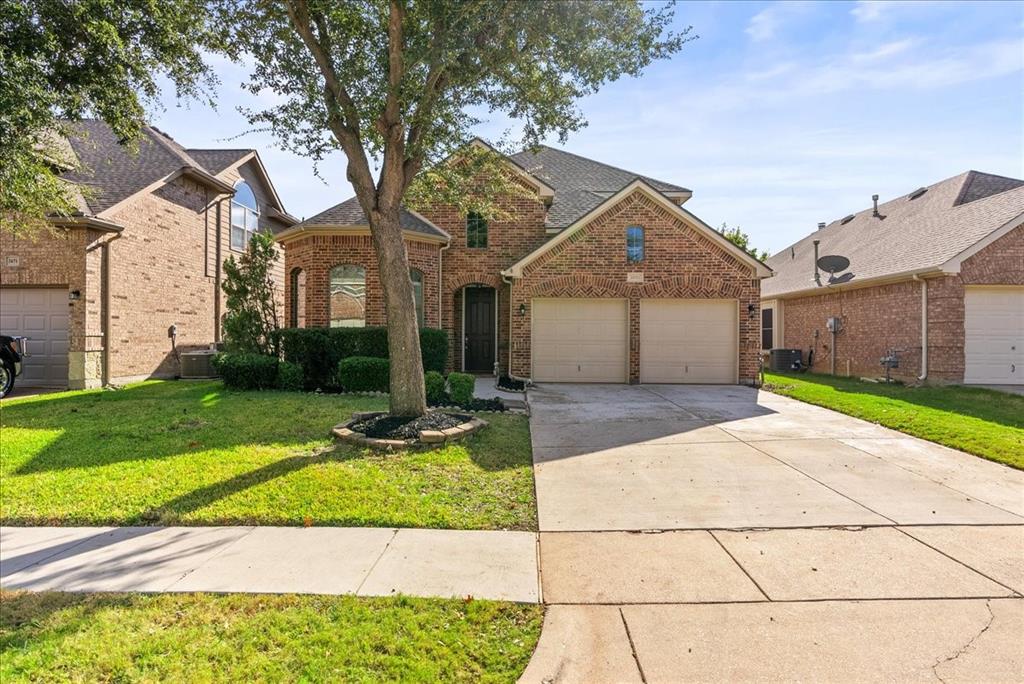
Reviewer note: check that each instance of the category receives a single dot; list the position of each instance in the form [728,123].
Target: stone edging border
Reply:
[344,433]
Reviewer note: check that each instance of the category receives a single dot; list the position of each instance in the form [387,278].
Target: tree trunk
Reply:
[408,396]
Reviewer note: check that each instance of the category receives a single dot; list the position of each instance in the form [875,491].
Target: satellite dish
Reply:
[833,263]
[839,280]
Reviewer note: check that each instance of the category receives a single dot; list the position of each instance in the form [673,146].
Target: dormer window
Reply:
[245,217]
[476,230]
[634,243]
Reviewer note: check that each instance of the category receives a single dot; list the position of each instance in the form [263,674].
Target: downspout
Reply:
[105,303]
[440,283]
[924,327]
[216,277]
[511,313]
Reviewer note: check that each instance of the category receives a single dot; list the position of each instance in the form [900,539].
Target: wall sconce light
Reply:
[751,310]
[74,295]
[522,309]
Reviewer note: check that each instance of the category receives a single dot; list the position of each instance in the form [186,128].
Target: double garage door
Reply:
[40,314]
[681,340]
[994,335]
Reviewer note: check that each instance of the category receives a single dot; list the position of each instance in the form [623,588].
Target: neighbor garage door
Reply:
[580,340]
[42,315]
[688,340]
[994,335]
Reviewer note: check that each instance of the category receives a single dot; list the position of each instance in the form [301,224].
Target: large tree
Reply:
[399,84]
[61,60]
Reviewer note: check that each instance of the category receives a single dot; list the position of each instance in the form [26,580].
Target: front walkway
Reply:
[725,534]
[315,560]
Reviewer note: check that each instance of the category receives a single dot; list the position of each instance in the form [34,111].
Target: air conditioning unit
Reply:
[197,364]
[783,359]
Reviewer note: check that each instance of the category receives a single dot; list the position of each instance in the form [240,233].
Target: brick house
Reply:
[594,274]
[98,294]
[937,274]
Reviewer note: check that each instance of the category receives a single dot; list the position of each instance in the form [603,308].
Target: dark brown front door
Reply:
[479,325]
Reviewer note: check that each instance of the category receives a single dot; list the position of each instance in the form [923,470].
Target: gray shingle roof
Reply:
[216,161]
[349,213]
[580,184]
[915,235]
[112,172]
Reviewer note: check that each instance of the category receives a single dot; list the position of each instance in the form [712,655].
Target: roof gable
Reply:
[917,233]
[349,214]
[641,185]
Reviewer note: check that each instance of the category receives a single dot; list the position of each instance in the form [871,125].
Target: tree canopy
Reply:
[63,60]
[742,240]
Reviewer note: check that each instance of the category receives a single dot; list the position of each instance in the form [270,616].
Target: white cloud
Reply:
[765,24]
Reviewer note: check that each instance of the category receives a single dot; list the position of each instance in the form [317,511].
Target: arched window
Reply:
[245,216]
[348,296]
[297,317]
[417,293]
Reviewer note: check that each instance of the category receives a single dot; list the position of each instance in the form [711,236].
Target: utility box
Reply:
[198,364]
[833,324]
[783,359]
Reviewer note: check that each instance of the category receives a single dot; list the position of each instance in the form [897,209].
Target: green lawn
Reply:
[248,638]
[983,422]
[188,453]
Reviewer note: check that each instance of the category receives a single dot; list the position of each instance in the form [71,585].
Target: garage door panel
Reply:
[994,335]
[579,340]
[40,314]
[688,341]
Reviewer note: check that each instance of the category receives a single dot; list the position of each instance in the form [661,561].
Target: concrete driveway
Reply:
[726,534]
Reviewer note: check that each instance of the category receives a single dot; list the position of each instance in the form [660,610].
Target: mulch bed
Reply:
[398,427]
[507,383]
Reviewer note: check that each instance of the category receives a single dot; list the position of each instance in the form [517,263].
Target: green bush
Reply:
[247,371]
[461,387]
[364,374]
[290,377]
[434,349]
[436,394]
[318,350]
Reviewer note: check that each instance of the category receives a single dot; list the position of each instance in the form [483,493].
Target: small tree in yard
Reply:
[250,324]
[396,81]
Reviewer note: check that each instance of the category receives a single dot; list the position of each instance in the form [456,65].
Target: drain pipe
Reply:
[526,381]
[817,274]
[440,284]
[924,328]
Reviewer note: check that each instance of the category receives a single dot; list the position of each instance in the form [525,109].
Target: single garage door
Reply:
[42,315]
[580,340]
[689,340]
[994,335]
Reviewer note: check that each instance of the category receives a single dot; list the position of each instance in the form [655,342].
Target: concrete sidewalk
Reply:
[315,560]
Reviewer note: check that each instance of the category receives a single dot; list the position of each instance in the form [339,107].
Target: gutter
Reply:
[858,284]
[86,222]
[924,327]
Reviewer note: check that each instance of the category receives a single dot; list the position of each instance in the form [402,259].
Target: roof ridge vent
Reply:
[917,193]
[847,219]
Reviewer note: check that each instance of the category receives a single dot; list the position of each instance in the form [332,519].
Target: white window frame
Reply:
[250,220]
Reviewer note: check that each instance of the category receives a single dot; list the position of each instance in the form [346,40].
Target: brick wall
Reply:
[679,262]
[317,254]
[889,316]
[519,231]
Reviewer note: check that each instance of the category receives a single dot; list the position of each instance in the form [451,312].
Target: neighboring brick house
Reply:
[953,250]
[98,294]
[595,274]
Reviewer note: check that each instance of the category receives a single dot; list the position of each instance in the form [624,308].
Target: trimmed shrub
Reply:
[247,371]
[434,349]
[290,377]
[318,350]
[364,374]
[436,394]
[461,387]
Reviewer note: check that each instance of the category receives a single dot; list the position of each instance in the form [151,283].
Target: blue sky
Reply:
[779,116]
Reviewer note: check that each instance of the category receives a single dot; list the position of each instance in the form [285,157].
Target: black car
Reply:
[12,351]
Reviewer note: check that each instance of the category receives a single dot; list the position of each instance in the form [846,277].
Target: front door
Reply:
[479,329]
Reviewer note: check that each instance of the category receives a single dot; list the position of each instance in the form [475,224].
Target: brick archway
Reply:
[579,286]
[460,280]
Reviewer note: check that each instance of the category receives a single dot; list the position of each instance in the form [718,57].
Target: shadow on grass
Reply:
[167,419]
[984,404]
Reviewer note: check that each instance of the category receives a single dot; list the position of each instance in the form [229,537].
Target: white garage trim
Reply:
[689,341]
[579,339]
[994,335]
